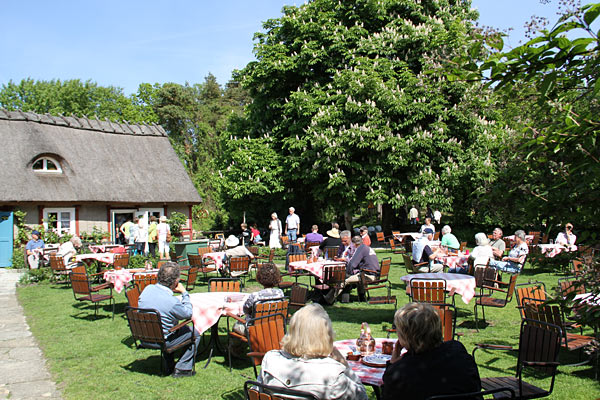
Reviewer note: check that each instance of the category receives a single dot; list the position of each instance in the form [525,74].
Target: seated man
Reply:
[314,236]
[422,253]
[364,258]
[448,239]
[427,225]
[516,257]
[566,237]
[347,248]
[34,249]
[498,245]
[160,297]
[429,366]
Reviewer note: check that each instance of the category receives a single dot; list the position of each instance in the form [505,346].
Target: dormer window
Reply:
[47,164]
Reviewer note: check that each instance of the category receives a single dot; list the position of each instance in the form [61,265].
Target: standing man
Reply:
[160,297]
[413,215]
[498,245]
[34,248]
[292,225]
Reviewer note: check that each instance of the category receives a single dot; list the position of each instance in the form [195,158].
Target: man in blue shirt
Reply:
[34,249]
[160,297]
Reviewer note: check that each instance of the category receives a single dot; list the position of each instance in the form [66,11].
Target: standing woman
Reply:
[163,230]
[152,236]
[275,228]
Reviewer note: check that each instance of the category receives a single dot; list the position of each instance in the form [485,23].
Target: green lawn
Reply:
[95,358]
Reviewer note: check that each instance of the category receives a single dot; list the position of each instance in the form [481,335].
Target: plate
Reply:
[376,360]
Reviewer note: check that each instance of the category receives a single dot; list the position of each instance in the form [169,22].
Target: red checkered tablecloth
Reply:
[462,284]
[459,260]
[217,257]
[551,250]
[368,375]
[119,278]
[315,268]
[208,307]
[106,258]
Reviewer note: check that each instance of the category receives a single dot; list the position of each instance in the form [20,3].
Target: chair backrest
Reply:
[271,255]
[395,232]
[57,263]
[577,267]
[192,275]
[270,306]
[253,250]
[80,284]
[308,245]
[79,269]
[380,237]
[133,296]
[334,275]
[447,313]
[483,275]
[511,287]
[121,260]
[239,264]
[285,240]
[224,285]
[408,264]
[143,280]
[428,290]
[462,247]
[545,238]
[533,290]
[392,244]
[546,313]
[298,296]
[296,257]
[384,267]
[258,391]
[264,334]
[145,325]
[330,252]
[195,260]
[539,342]
[203,250]
[570,284]
[436,236]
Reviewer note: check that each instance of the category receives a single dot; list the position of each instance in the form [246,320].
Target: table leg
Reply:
[213,343]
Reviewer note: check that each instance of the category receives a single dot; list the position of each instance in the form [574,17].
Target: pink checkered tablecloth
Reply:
[217,257]
[551,250]
[101,248]
[462,284]
[511,238]
[106,258]
[367,375]
[315,268]
[119,278]
[208,307]
[459,260]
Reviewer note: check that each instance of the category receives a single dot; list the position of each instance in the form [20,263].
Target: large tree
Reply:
[348,108]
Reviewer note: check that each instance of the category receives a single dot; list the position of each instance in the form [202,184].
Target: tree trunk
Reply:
[389,219]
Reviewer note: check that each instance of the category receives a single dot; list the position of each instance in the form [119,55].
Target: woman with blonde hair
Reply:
[422,364]
[308,361]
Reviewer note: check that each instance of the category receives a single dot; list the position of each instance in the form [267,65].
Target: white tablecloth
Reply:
[462,284]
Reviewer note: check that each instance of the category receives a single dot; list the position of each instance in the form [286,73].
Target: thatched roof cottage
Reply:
[87,172]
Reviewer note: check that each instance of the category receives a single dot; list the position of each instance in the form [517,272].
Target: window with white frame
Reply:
[47,164]
[60,220]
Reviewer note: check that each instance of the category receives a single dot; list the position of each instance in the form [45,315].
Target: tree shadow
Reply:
[237,394]
[148,366]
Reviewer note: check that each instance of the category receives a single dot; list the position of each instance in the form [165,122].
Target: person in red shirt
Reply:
[364,234]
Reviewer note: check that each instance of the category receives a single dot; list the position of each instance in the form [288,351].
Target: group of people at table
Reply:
[421,364]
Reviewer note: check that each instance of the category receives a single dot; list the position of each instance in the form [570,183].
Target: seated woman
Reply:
[448,239]
[516,257]
[309,362]
[429,366]
[483,252]
[566,237]
[68,250]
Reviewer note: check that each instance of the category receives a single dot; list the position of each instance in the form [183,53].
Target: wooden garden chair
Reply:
[264,333]
[204,266]
[298,296]
[84,291]
[506,288]
[189,277]
[331,252]
[258,391]
[463,246]
[142,280]
[133,296]
[539,345]
[239,267]
[381,281]
[380,238]
[411,267]
[334,277]
[570,285]
[147,332]
[57,264]
[224,285]
[428,290]
[532,290]
[396,249]
[121,261]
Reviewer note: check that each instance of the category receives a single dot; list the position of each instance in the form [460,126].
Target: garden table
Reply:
[315,268]
[454,261]
[217,257]
[551,250]
[401,236]
[106,248]
[121,277]
[372,376]
[208,309]
[106,258]
[462,284]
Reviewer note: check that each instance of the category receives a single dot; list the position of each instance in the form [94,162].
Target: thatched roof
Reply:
[101,161]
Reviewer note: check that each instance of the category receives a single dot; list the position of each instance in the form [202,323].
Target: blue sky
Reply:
[128,42]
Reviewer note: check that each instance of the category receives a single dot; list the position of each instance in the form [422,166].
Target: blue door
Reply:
[6,238]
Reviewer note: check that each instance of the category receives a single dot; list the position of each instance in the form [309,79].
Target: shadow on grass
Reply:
[237,394]
[148,366]
[357,315]
[86,311]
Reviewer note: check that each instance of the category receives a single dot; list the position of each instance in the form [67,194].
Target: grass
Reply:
[96,359]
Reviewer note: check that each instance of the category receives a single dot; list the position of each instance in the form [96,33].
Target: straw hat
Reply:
[334,233]
[163,218]
[232,241]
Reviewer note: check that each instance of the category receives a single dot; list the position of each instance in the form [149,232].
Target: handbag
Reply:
[169,237]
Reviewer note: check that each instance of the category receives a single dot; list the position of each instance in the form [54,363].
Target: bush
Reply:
[36,276]
[18,258]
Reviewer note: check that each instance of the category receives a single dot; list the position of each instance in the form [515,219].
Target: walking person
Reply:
[164,232]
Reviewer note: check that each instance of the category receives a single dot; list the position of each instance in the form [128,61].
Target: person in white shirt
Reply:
[427,225]
[437,215]
[483,252]
[413,214]
[67,250]
[142,236]
[566,237]
[292,225]
[163,230]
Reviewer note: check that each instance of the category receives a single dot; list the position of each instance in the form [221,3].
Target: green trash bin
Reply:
[182,249]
